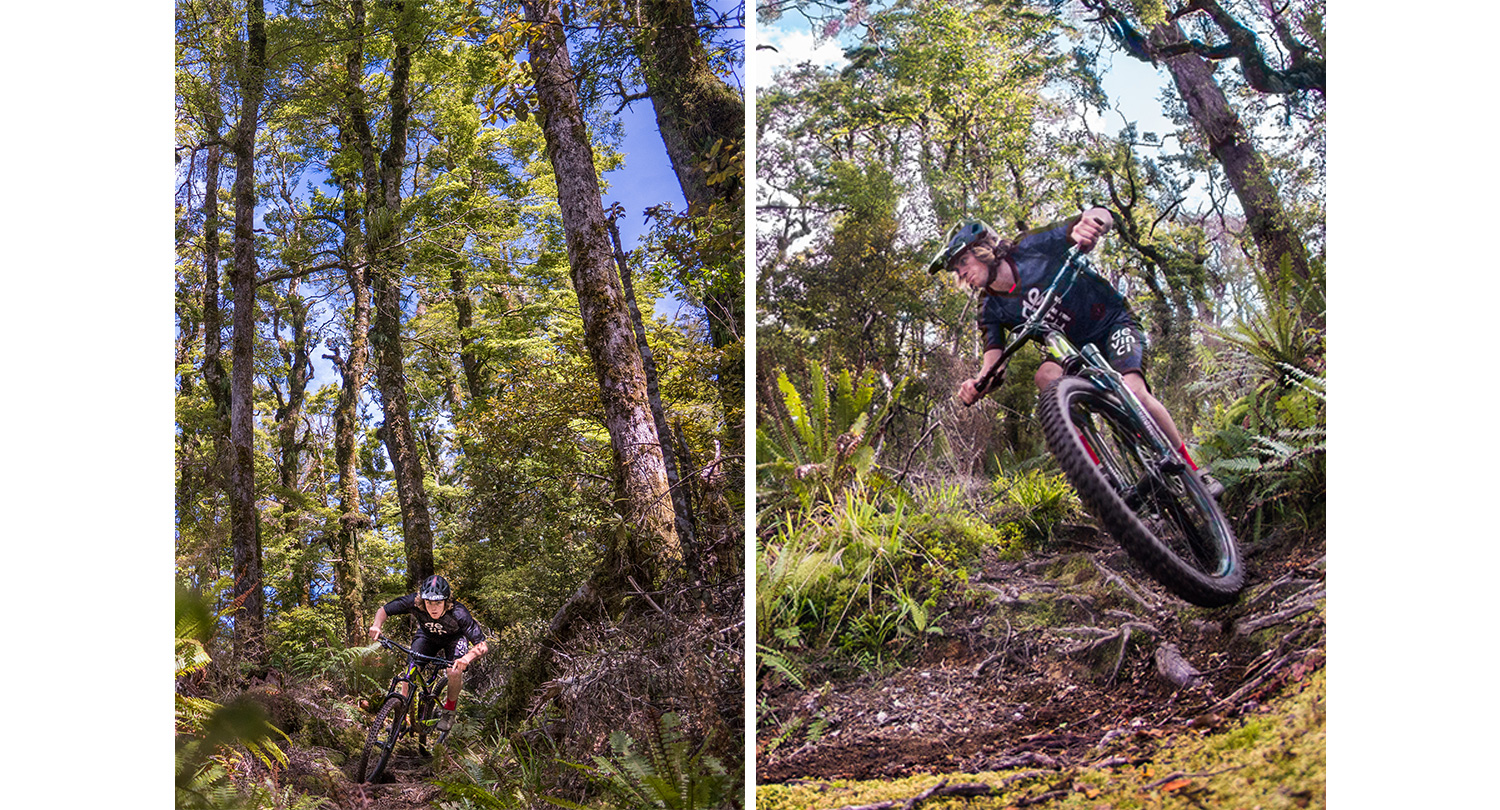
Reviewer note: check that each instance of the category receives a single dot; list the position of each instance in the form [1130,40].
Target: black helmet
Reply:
[435,589]
[960,237]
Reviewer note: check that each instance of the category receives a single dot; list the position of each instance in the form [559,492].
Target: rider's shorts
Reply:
[1124,346]
[1122,343]
[427,645]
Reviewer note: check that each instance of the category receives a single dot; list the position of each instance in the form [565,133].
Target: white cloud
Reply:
[792,49]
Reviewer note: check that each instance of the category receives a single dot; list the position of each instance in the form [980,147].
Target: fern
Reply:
[210,733]
[814,446]
[665,772]
[779,663]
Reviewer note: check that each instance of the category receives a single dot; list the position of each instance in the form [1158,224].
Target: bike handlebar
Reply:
[392,644]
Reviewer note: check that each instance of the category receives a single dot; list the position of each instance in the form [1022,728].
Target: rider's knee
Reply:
[1046,374]
[1137,383]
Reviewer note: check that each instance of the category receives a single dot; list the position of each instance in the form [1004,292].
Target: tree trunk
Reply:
[695,109]
[641,489]
[288,416]
[215,380]
[1276,240]
[701,119]
[213,321]
[354,132]
[463,305]
[680,505]
[347,577]
[386,261]
[249,617]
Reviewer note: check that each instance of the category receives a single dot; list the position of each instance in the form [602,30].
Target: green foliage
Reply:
[868,581]
[306,640]
[1284,335]
[520,771]
[1269,444]
[1043,499]
[212,737]
[817,447]
[662,771]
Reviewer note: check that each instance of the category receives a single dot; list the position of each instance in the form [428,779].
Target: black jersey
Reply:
[1090,312]
[455,624]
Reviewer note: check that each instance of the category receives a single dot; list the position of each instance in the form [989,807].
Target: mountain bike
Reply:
[1126,472]
[401,716]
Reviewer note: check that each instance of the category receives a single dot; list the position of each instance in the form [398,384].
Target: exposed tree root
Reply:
[1119,582]
[1305,601]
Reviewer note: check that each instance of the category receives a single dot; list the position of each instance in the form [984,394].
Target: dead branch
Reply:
[1120,659]
[1269,590]
[1264,676]
[1182,775]
[1043,797]
[1027,759]
[1103,637]
[1004,648]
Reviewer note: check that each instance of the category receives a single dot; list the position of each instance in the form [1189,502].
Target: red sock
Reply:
[450,705]
[1184,452]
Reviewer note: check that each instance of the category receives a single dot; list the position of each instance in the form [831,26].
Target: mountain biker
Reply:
[444,629]
[1011,276]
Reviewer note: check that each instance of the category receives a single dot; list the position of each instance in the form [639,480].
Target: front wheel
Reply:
[1161,514]
[384,732]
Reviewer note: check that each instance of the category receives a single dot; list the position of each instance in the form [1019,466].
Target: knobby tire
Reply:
[381,743]
[1195,555]
[427,713]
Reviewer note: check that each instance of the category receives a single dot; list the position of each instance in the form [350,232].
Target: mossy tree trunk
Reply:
[680,505]
[702,124]
[1229,142]
[650,541]
[249,616]
[386,263]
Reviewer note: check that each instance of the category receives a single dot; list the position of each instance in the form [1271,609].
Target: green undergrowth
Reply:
[1272,759]
[866,578]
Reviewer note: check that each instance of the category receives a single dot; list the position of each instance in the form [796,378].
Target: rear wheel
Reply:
[384,732]
[1160,513]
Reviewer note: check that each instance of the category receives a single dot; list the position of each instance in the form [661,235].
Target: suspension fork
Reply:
[1113,381]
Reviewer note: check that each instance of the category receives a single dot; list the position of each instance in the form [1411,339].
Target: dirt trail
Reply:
[1067,652]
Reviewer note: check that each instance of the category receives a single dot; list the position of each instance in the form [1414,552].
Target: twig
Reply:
[1120,659]
[1181,775]
[1261,678]
[1004,648]
[639,591]
[1044,797]
[907,465]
